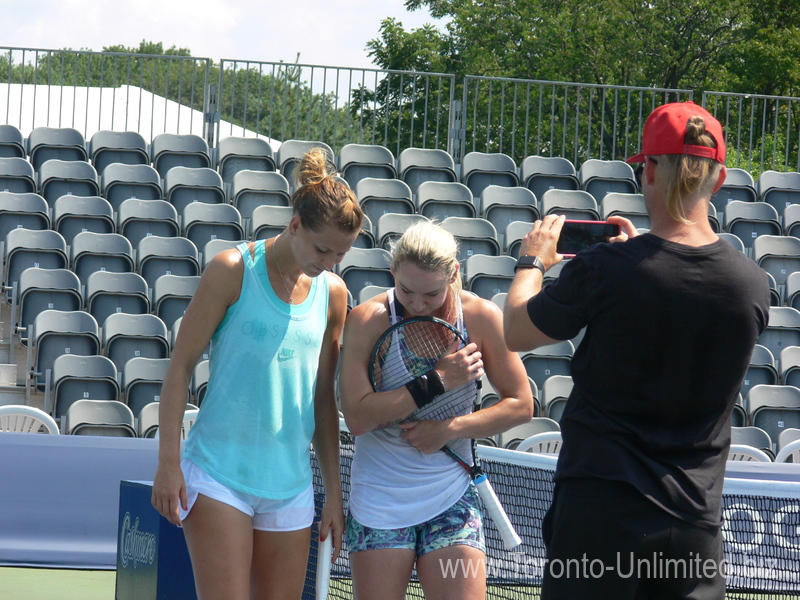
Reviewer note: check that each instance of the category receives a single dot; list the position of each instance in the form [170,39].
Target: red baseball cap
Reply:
[665,131]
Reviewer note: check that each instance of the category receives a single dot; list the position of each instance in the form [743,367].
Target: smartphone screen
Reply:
[579,235]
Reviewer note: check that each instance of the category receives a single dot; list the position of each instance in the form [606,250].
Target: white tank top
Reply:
[393,484]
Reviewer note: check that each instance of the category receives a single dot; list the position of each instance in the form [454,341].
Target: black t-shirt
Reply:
[669,333]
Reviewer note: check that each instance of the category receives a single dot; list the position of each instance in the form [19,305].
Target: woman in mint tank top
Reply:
[273,313]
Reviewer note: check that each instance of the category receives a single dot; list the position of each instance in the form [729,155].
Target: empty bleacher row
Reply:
[103,243]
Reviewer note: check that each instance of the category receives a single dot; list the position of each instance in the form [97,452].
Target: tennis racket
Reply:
[412,347]
[324,550]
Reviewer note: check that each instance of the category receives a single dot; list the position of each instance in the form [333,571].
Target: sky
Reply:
[324,33]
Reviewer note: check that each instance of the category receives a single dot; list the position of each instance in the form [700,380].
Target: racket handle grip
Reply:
[324,551]
[497,513]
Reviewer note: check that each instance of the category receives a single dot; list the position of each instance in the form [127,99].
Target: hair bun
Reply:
[314,167]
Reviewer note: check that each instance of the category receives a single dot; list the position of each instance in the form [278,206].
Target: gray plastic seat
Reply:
[200,377]
[90,252]
[120,182]
[748,220]
[137,219]
[170,150]
[628,205]
[25,248]
[214,247]
[57,332]
[12,144]
[514,233]
[44,289]
[66,177]
[503,205]
[791,220]
[555,392]
[738,185]
[100,417]
[482,169]
[440,200]
[47,143]
[778,255]
[108,293]
[752,436]
[489,275]
[762,369]
[269,221]
[147,423]
[236,154]
[601,177]
[128,336]
[792,290]
[514,436]
[171,296]
[142,379]
[783,329]
[361,267]
[415,165]
[157,256]
[125,147]
[774,408]
[22,211]
[173,338]
[17,175]
[573,204]
[76,377]
[542,173]
[251,189]
[75,214]
[779,189]
[392,225]
[733,239]
[185,185]
[475,236]
[357,161]
[291,152]
[547,361]
[381,196]
[205,222]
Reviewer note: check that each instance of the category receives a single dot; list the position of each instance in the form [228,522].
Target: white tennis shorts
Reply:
[289,514]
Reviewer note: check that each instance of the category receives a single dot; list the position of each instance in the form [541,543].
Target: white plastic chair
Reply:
[789,453]
[747,454]
[548,442]
[26,419]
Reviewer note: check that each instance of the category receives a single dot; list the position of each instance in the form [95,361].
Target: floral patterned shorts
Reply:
[459,524]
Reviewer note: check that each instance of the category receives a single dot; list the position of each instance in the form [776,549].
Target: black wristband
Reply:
[425,388]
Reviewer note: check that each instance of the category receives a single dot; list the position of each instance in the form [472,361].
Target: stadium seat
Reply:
[12,144]
[18,418]
[573,204]
[790,366]
[392,225]
[357,161]
[214,247]
[547,361]
[778,255]
[789,453]
[774,408]
[120,182]
[366,237]
[17,175]
[125,147]
[415,165]
[630,206]
[512,438]
[137,219]
[108,293]
[739,414]
[157,256]
[171,296]
[475,236]
[738,186]
[22,211]
[251,189]
[75,214]
[100,417]
[791,220]
[185,185]
[542,173]
[64,177]
[47,143]
[753,436]
[749,220]
[382,196]
[370,291]
[601,177]
[91,252]
[440,200]
[205,222]
[489,275]
[170,150]
[762,370]
[741,452]
[76,377]
[503,205]
[128,336]
[783,329]
[236,154]
[200,381]
[482,169]
[173,338]
[733,239]
[269,221]
[142,379]
[788,436]
[57,332]
[515,231]
[291,153]
[43,289]
[555,392]
[779,189]
[541,443]
[147,423]
[25,248]
[361,267]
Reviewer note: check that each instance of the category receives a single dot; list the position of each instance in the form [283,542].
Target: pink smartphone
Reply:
[579,235]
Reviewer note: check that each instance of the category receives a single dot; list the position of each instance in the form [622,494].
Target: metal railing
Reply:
[152,94]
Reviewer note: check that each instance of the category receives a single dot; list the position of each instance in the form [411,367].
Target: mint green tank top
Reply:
[255,425]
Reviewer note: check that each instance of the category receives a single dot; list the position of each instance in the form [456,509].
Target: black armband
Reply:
[425,388]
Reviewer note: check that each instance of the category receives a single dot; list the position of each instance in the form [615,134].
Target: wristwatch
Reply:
[529,262]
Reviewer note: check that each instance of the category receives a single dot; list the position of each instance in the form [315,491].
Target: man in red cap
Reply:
[671,318]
